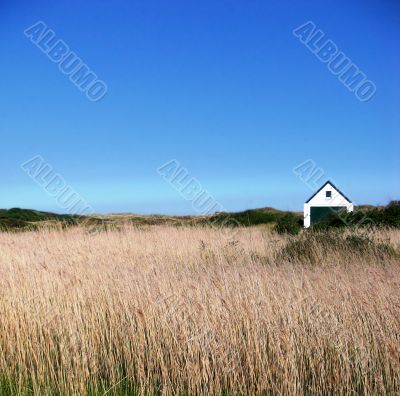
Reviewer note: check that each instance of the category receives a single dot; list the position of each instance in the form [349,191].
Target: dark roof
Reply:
[327,182]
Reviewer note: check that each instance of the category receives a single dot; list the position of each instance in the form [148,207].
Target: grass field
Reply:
[183,310]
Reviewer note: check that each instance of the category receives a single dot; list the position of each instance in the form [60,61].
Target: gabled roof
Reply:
[327,182]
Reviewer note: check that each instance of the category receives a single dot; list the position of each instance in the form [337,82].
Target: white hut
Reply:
[326,200]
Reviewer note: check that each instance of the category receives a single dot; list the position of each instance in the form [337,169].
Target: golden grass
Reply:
[183,311]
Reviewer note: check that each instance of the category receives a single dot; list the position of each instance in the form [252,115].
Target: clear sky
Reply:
[223,87]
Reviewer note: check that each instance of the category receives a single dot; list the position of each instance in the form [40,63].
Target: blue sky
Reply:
[222,86]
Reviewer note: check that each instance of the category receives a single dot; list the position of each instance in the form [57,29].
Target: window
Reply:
[328,194]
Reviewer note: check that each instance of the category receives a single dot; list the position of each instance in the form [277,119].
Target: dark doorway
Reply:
[320,212]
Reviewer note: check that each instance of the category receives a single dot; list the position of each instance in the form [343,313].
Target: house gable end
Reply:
[336,196]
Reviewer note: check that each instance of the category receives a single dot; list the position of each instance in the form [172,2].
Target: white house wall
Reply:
[320,199]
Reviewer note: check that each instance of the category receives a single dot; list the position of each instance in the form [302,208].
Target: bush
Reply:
[288,224]
[314,247]
[246,218]
[26,219]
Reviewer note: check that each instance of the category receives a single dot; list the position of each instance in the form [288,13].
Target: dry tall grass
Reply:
[183,311]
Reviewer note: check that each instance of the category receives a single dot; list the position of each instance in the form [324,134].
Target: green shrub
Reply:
[26,219]
[288,224]
[315,246]
[246,218]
